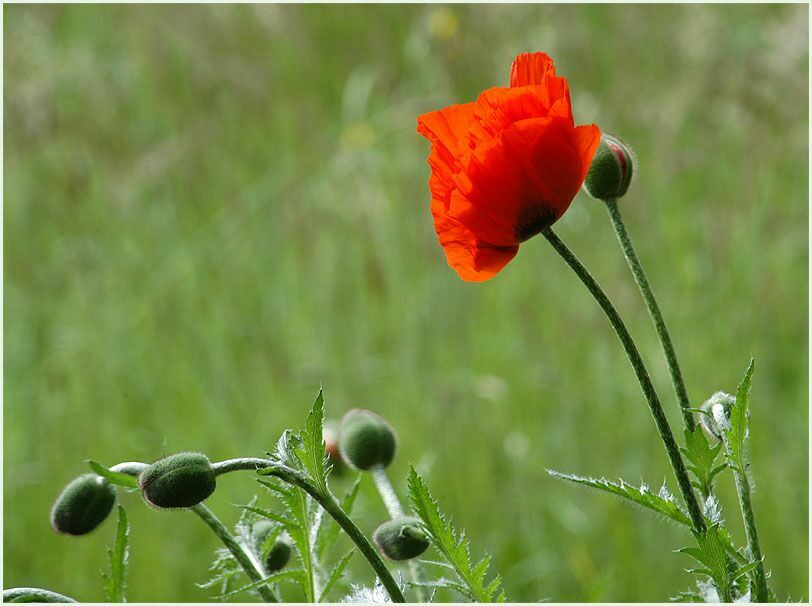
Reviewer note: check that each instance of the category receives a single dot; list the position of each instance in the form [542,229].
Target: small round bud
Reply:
[611,170]
[180,480]
[279,554]
[717,413]
[82,505]
[401,539]
[366,439]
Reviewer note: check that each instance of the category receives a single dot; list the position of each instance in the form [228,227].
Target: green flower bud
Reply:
[279,554]
[366,440]
[401,539]
[83,505]
[180,480]
[717,413]
[611,170]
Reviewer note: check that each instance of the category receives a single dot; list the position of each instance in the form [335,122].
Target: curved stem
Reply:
[654,311]
[330,505]
[33,594]
[640,371]
[760,593]
[235,548]
[134,468]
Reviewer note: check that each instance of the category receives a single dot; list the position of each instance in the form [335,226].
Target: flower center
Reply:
[532,220]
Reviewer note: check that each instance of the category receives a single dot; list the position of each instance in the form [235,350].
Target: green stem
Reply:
[759,591]
[330,505]
[643,378]
[33,594]
[395,510]
[134,468]
[235,548]
[654,311]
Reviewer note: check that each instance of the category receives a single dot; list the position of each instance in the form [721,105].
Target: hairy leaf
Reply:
[311,449]
[701,457]
[736,434]
[335,575]
[711,554]
[453,545]
[115,588]
[663,504]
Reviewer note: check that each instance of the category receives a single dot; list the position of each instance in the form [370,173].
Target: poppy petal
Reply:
[473,259]
[529,69]
[448,127]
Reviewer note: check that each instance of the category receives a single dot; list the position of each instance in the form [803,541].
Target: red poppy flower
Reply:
[505,167]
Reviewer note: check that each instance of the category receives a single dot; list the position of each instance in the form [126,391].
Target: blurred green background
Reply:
[212,210]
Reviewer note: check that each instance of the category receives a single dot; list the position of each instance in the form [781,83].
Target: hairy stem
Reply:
[395,509]
[654,311]
[236,550]
[640,371]
[33,594]
[330,505]
[251,570]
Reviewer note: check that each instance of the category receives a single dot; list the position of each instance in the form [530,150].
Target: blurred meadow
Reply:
[212,210]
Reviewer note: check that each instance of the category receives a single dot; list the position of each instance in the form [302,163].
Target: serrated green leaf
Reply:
[120,479]
[640,496]
[270,579]
[700,457]
[270,515]
[453,545]
[743,570]
[736,435]
[335,575]
[712,555]
[312,452]
[115,581]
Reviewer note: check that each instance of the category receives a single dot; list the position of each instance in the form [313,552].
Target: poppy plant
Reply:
[505,167]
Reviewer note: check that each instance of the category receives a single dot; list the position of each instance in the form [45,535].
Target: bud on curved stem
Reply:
[180,480]
[83,505]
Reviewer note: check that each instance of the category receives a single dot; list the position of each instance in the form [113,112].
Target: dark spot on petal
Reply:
[532,219]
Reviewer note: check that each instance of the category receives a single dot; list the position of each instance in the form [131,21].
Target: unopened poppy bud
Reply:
[611,170]
[279,554]
[180,480]
[330,437]
[717,413]
[401,539]
[366,439]
[82,505]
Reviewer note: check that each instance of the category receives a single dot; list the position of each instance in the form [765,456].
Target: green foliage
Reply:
[311,452]
[120,479]
[736,432]
[115,581]
[663,503]
[712,554]
[700,459]
[454,547]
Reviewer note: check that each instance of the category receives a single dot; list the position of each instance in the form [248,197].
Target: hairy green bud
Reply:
[611,170]
[180,480]
[83,505]
[279,553]
[366,439]
[716,415]
[402,538]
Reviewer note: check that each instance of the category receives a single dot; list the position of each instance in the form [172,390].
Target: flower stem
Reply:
[33,594]
[640,371]
[236,550]
[760,593]
[134,468]
[654,311]
[395,509]
[330,505]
